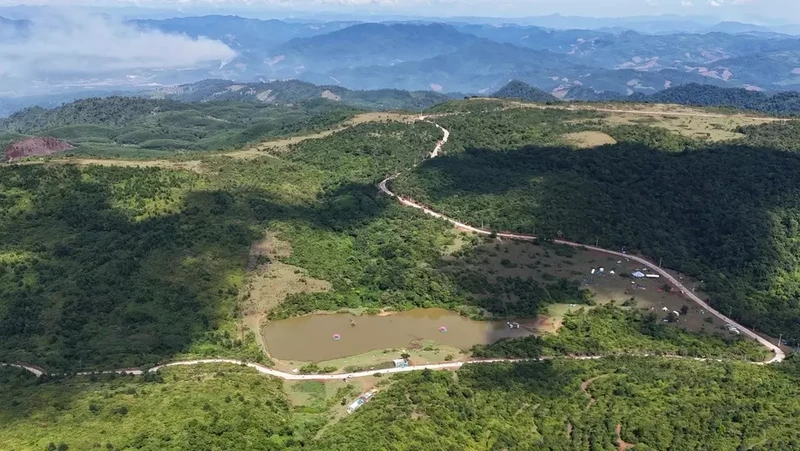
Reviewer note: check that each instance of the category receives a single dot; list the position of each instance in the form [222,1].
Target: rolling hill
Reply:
[369,44]
[475,58]
[522,91]
[289,92]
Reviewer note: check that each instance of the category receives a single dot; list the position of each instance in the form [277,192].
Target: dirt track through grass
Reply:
[585,389]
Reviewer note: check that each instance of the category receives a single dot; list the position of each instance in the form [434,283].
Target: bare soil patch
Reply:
[34,147]
[268,282]
[550,263]
[622,446]
[589,139]
[584,388]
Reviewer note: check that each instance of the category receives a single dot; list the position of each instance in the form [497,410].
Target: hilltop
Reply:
[522,91]
[290,92]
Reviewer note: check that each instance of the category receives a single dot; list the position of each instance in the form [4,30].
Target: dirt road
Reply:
[777,354]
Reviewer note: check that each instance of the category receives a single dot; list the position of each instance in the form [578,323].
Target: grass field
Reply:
[702,123]
[710,128]
[429,352]
[268,281]
[589,139]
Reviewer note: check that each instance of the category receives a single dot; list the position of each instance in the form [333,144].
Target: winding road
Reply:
[777,354]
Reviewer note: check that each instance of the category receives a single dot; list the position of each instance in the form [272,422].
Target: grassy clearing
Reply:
[280,146]
[317,404]
[589,139]
[694,122]
[191,165]
[428,352]
[268,282]
[710,128]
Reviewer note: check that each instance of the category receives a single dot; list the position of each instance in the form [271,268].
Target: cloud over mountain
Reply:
[78,44]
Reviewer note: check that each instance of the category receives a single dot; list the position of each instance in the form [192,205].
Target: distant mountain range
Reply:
[693,94]
[475,58]
[481,58]
[291,92]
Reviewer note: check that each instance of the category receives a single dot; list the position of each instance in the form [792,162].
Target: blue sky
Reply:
[741,10]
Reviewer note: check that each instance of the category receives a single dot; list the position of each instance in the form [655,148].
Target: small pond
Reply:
[311,338]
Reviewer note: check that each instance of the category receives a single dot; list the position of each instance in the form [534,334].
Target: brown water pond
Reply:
[310,338]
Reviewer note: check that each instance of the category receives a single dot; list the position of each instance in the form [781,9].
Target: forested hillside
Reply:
[783,103]
[118,267]
[522,91]
[652,403]
[135,126]
[288,92]
[208,407]
[724,213]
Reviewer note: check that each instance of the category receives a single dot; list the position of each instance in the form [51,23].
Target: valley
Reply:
[269,242]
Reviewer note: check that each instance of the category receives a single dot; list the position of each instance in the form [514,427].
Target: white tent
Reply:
[638,274]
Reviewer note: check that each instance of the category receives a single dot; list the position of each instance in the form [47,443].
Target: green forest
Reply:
[658,403]
[119,267]
[137,127]
[725,213]
[106,266]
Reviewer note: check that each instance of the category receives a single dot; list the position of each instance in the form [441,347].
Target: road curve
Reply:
[778,354]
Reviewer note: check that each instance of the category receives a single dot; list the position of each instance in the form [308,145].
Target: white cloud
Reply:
[687,3]
[80,44]
[715,3]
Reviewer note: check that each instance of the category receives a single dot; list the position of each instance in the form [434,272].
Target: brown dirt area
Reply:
[549,263]
[268,282]
[37,146]
[589,139]
[584,388]
[622,445]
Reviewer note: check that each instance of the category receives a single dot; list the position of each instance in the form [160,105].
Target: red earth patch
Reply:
[32,147]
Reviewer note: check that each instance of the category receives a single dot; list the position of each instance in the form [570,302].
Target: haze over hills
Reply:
[477,57]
